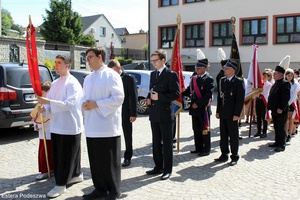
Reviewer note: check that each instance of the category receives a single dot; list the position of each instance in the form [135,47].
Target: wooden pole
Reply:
[178,131]
[251,112]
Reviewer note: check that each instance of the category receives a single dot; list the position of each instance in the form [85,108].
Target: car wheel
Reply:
[186,101]
[142,107]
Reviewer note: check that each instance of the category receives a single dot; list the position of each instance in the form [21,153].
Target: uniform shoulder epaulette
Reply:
[239,78]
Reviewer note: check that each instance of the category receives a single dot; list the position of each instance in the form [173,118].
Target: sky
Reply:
[131,14]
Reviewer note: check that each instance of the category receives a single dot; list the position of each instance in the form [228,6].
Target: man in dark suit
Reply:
[278,104]
[229,107]
[129,108]
[200,91]
[164,88]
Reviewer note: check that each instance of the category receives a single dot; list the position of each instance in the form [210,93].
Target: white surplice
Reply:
[105,87]
[65,106]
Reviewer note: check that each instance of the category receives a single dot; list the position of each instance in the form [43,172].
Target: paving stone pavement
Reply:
[260,173]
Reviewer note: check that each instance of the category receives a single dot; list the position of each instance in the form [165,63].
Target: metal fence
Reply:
[134,54]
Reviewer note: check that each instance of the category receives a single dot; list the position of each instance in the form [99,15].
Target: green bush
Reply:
[49,63]
[123,61]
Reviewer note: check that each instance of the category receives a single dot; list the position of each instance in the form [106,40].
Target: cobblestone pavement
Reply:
[260,173]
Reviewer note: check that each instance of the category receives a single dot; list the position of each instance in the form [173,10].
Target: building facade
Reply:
[274,25]
[101,29]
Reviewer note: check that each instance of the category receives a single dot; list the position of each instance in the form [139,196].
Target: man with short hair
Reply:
[66,124]
[129,108]
[164,89]
[102,105]
[229,107]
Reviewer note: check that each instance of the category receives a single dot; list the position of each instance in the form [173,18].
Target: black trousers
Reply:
[229,129]
[279,121]
[105,163]
[260,115]
[202,142]
[127,130]
[162,142]
[66,152]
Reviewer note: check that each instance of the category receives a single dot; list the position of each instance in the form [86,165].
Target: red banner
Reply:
[176,66]
[33,60]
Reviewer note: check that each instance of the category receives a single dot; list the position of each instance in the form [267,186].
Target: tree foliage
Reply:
[7,22]
[61,24]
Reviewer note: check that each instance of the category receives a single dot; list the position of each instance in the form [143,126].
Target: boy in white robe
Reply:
[102,103]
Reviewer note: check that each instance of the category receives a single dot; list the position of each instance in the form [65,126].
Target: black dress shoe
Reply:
[126,163]
[278,149]
[263,135]
[154,172]
[201,154]
[221,159]
[165,176]
[273,145]
[94,195]
[195,151]
[232,163]
[257,135]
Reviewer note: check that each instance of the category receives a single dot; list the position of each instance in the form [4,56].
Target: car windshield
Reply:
[19,77]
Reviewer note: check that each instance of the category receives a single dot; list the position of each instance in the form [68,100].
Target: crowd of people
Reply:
[106,107]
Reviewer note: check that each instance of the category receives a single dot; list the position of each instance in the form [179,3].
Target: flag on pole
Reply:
[176,66]
[235,56]
[254,82]
[33,59]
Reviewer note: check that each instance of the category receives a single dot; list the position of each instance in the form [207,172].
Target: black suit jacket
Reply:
[129,107]
[206,87]
[231,99]
[167,87]
[279,96]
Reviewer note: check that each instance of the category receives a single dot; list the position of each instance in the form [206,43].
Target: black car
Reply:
[17,98]
[78,74]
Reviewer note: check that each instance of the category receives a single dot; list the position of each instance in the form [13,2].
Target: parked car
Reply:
[78,74]
[143,80]
[17,98]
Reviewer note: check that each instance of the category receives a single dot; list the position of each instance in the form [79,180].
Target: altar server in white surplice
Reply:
[102,104]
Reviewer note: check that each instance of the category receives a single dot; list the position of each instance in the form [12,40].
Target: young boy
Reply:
[37,118]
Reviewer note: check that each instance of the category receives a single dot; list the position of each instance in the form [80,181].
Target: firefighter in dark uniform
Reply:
[200,91]
[278,104]
[229,107]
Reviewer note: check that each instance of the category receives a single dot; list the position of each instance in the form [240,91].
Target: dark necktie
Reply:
[157,75]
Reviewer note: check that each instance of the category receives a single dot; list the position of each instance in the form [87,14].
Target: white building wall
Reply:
[212,10]
[104,41]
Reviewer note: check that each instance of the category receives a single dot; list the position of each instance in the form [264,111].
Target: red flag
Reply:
[32,58]
[176,66]
[254,83]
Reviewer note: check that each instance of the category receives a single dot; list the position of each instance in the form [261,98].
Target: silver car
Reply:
[143,80]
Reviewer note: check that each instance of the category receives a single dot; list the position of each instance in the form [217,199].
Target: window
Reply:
[191,1]
[222,34]
[168,36]
[288,29]
[254,31]
[169,2]
[194,35]
[102,31]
